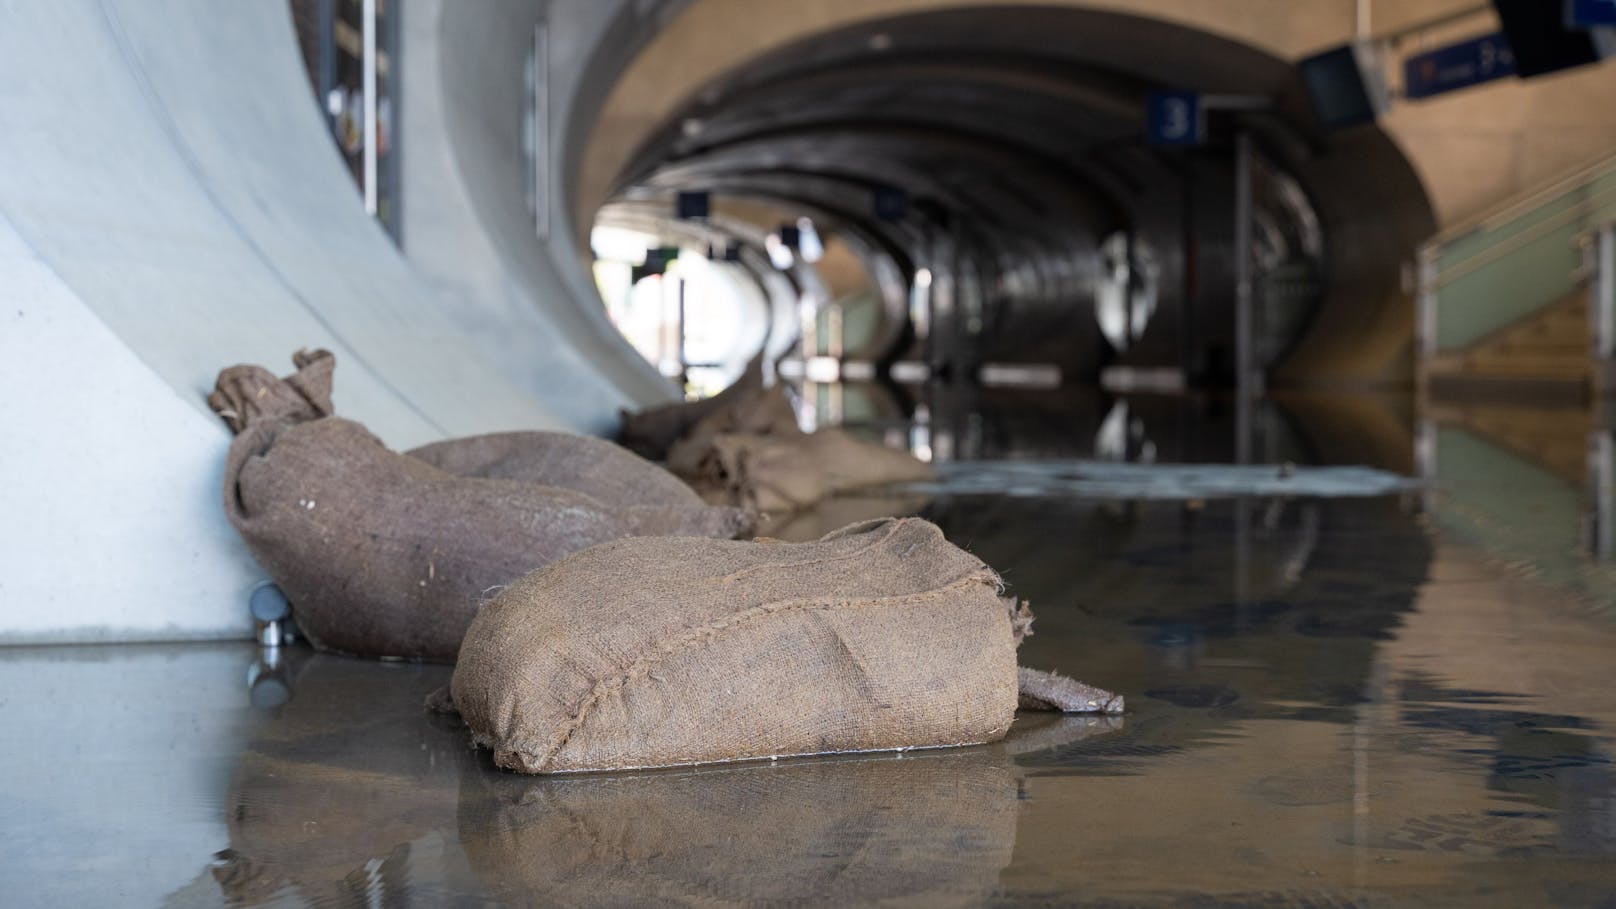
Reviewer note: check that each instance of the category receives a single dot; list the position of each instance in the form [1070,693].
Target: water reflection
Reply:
[932,828]
[351,795]
[1377,718]
[1332,702]
[344,779]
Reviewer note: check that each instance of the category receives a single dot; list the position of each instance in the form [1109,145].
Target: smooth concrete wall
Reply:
[467,227]
[167,163]
[111,526]
[171,203]
[1478,148]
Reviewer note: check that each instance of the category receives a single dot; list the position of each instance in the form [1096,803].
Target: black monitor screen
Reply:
[1537,34]
[694,205]
[1336,84]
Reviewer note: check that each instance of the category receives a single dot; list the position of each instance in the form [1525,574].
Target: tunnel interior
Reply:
[989,172]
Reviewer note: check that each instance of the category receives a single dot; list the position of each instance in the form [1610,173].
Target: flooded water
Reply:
[1332,702]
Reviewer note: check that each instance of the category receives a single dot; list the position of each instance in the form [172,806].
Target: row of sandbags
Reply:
[388,554]
[602,615]
[744,447]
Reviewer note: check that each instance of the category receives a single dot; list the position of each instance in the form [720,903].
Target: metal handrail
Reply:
[1507,211]
[1531,235]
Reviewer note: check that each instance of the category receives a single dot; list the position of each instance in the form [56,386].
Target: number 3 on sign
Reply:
[1176,119]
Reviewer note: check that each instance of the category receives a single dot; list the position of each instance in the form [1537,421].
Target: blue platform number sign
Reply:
[1458,66]
[1591,13]
[1175,118]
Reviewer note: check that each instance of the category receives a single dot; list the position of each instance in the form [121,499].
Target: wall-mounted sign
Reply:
[1590,13]
[890,203]
[1458,66]
[1174,118]
[1539,37]
[694,205]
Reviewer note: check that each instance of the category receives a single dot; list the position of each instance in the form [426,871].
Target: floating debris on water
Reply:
[1191,482]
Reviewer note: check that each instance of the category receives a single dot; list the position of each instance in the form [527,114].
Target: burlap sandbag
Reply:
[808,524]
[765,413]
[651,432]
[773,473]
[247,394]
[660,652]
[386,555]
[606,472]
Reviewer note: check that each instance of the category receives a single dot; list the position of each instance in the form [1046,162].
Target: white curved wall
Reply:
[466,224]
[110,522]
[170,204]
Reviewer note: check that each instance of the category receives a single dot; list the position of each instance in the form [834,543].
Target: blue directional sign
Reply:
[1175,118]
[694,205]
[890,202]
[1457,66]
[1590,13]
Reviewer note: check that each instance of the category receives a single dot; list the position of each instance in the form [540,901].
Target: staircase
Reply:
[1554,438]
[1504,297]
[1548,345]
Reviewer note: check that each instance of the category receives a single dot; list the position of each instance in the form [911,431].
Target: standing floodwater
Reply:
[1332,702]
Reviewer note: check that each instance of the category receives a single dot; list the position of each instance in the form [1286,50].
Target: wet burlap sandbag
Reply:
[650,433]
[606,472]
[660,652]
[772,473]
[383,554]
[764,413]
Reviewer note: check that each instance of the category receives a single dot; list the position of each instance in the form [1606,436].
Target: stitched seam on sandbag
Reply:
[897,525]
[706,634]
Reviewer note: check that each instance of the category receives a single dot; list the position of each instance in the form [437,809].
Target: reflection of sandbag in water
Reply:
[764,413]
[926,828]
[338,781]
[651,432]
[385,554]
[654,652]
[782,473]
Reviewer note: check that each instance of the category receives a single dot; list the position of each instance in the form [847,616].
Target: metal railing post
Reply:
[371,126]
[1244,342]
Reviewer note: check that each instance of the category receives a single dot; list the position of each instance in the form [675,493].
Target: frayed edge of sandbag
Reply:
[1052,691]
[441,701]
[1021,618]
[246,395]
[652,432]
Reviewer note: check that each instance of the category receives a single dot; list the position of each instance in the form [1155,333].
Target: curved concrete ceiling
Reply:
[710,38]
[1017,133]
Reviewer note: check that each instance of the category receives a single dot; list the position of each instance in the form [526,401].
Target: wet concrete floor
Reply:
[1344,702]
